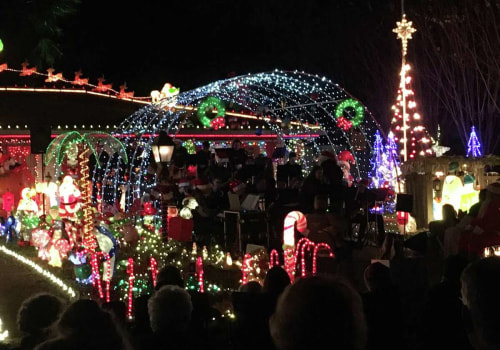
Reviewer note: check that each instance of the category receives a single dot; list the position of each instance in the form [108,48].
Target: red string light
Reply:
[130,271]
[290,261]
[308,244]
[245,267]
[274,259]
[154,269]
[199,272]
[315,254]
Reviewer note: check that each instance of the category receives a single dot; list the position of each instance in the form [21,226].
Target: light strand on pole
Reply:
[315,254]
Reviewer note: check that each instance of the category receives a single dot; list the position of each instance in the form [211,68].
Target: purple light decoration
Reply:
[473,146]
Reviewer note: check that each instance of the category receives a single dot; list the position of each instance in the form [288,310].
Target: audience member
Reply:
[35,318]
[382,306]
[479,291]
[203,159]
[440,325]
[275,282]
[317,310]
[313,185]
[84,325]
[169,275]
[170,309]
[474,209]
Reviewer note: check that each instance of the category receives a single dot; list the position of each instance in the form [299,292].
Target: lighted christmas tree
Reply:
[391,151]
[377,161]
[406,123]
[473,146]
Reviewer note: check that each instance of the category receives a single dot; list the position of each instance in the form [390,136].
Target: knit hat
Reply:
[183,182]
[327,155]
[494,188]
[200,184]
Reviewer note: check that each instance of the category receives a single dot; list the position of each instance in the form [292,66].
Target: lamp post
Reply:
[163,148]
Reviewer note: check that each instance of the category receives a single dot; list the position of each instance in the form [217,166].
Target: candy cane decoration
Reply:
[245,267]
[290,261]
[306,244]
[289,227]
[96,278]
[274,259]
[315,254]
[199,272]
[154,269]
[130,271]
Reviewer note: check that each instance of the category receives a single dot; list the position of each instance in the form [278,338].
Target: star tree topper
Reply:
[404,30]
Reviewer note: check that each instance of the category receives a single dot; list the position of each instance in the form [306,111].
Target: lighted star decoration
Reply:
[404,30]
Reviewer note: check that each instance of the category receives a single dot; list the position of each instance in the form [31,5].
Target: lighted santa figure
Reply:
[69,198]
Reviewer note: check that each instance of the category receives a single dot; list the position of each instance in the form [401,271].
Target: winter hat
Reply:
[200,184]
[183,182]
[327,155]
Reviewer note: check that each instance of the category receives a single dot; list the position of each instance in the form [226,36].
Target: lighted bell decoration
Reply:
[163,148]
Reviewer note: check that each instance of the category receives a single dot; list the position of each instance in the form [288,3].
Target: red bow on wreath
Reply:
[344,123]
[218,122]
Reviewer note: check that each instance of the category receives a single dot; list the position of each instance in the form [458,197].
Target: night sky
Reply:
[191,43]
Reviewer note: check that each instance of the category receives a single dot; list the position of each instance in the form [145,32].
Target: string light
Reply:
[154,270]
[274,259]
[51,277]
[315,255]
[199,272]
[245,268]
[130,272]
[473,145]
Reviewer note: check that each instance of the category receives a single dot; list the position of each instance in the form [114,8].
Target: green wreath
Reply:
[354,104]
[208,105]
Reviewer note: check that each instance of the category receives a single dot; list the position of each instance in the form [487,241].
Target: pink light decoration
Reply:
[301,241]
[154,269]
[200,273]
[289,226]
[307,245]
[3,67]
[130,271]
[290,261]
[274,259]
[245,267]
[315,255]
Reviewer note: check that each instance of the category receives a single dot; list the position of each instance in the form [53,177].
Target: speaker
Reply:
[40,137]
[404,202]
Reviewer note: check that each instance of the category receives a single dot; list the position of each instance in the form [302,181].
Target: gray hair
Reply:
[170,309]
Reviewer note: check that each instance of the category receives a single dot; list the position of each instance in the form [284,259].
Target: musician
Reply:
[364,199]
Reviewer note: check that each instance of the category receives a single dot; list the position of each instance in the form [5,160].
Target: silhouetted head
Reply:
[276,280]
[38,312]
[377,277]
[169,275]
[315,309]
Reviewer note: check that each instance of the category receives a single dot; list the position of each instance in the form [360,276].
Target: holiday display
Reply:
[406,123]
[207,106]
[473,145]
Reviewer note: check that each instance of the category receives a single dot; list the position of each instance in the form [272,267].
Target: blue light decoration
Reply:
[261,101]
[473,146]
[377,161]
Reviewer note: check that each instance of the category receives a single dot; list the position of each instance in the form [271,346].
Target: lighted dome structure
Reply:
[286,106]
